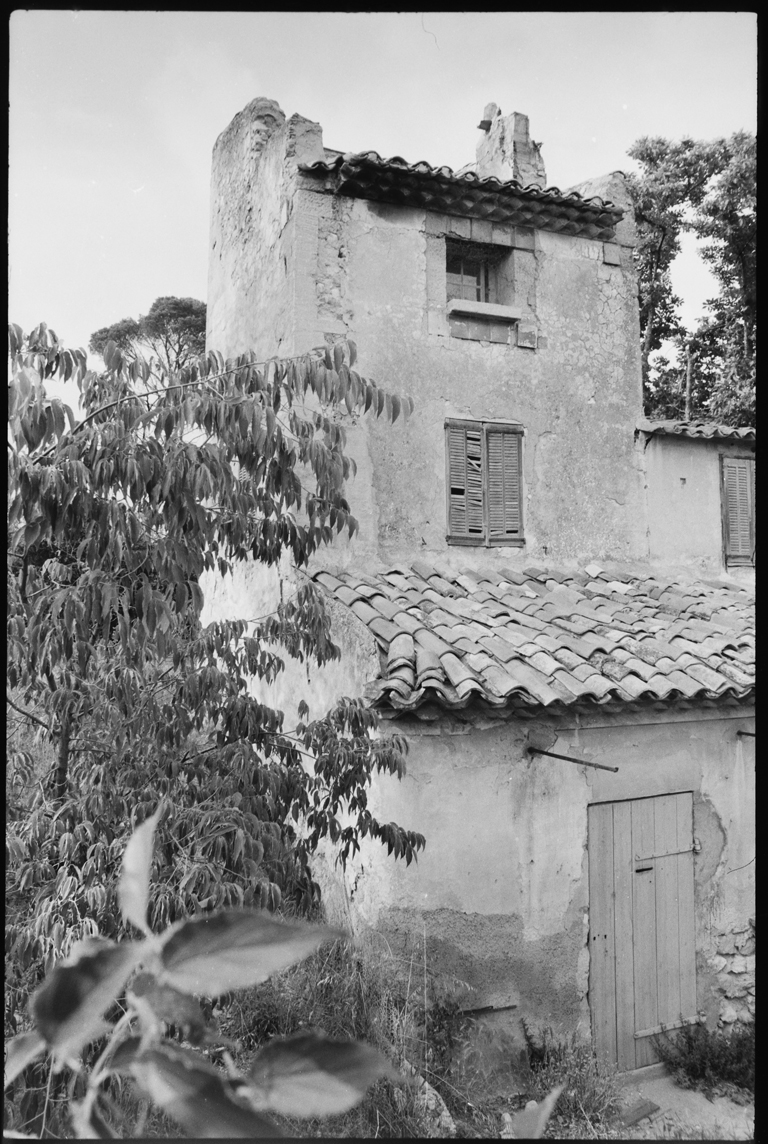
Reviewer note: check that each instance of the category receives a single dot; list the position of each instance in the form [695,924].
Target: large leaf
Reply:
[133,888]
[20,1052]
[313,1075]
[196,1095]
[172,1006]
[67,1008]
[234,949]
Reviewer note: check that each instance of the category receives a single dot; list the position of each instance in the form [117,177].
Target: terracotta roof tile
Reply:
[712,680]
[543,637]
[544,663]
[568,658]
[683,683]
[401,650]
[569,681]
[513,576]
[549,643]
[740,678]
[576,624]
[500,648]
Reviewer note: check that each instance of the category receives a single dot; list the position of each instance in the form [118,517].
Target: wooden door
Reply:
[642,971]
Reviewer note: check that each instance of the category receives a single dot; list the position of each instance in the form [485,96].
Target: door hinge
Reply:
[669,854]
[669,1025]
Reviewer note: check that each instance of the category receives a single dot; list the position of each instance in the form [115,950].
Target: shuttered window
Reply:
[738,485]
[484,479]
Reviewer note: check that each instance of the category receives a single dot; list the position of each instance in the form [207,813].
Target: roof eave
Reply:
[367,176]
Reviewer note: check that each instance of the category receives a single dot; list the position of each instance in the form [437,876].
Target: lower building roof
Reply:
[502,639]
[708,430]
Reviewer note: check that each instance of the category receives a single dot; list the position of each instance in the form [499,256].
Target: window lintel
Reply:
[492,423]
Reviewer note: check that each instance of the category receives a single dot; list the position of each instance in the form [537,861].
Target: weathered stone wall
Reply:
[734,964]
[577,393]
[256,240]
[293,265]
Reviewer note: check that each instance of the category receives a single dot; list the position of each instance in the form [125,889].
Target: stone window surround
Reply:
[494,322]
[490,322]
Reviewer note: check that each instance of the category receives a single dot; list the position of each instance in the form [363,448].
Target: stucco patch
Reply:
[491,955]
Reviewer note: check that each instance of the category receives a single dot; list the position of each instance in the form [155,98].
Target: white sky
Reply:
[113,116]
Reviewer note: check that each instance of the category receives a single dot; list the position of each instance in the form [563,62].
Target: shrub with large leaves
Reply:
[155,981]
[153,986]
[112,521]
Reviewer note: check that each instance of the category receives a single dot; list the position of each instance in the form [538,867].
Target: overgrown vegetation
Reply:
[710,1060]
[590,1096]
[291,1045]
[150,987]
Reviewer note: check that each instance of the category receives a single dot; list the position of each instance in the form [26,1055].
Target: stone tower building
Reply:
[544,594]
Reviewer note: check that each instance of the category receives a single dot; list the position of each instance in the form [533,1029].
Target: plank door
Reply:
[642,969]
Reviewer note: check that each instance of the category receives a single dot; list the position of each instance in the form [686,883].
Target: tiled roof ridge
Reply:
[470,178]
[700,429]
[503,638]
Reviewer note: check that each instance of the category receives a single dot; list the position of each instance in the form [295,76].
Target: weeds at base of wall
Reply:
[591,1096]
[715,1063]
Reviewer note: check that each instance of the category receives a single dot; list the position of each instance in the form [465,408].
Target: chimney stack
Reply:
[506,150]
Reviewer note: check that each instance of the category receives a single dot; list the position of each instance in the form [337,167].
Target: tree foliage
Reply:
[173,330]
[112,521]
[706,189]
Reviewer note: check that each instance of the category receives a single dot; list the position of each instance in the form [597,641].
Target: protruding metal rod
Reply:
[570,759]
[750,734]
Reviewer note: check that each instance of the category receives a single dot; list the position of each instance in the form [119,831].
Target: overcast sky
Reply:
[113,116]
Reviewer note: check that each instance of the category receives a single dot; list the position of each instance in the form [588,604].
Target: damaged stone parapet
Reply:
[613,188]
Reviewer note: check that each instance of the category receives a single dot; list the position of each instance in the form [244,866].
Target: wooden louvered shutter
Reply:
[465,481]
[738,509]
[504,500]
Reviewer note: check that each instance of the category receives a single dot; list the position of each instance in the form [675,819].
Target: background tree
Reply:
[707,189]
[173,330]
[111,523]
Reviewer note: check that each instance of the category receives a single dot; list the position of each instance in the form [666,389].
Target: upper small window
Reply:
[469,277]
[484,477]
[738,485]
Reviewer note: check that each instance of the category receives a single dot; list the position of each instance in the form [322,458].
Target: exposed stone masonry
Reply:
[735,968]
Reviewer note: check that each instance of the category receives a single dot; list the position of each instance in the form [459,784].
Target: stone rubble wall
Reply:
[734,965]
